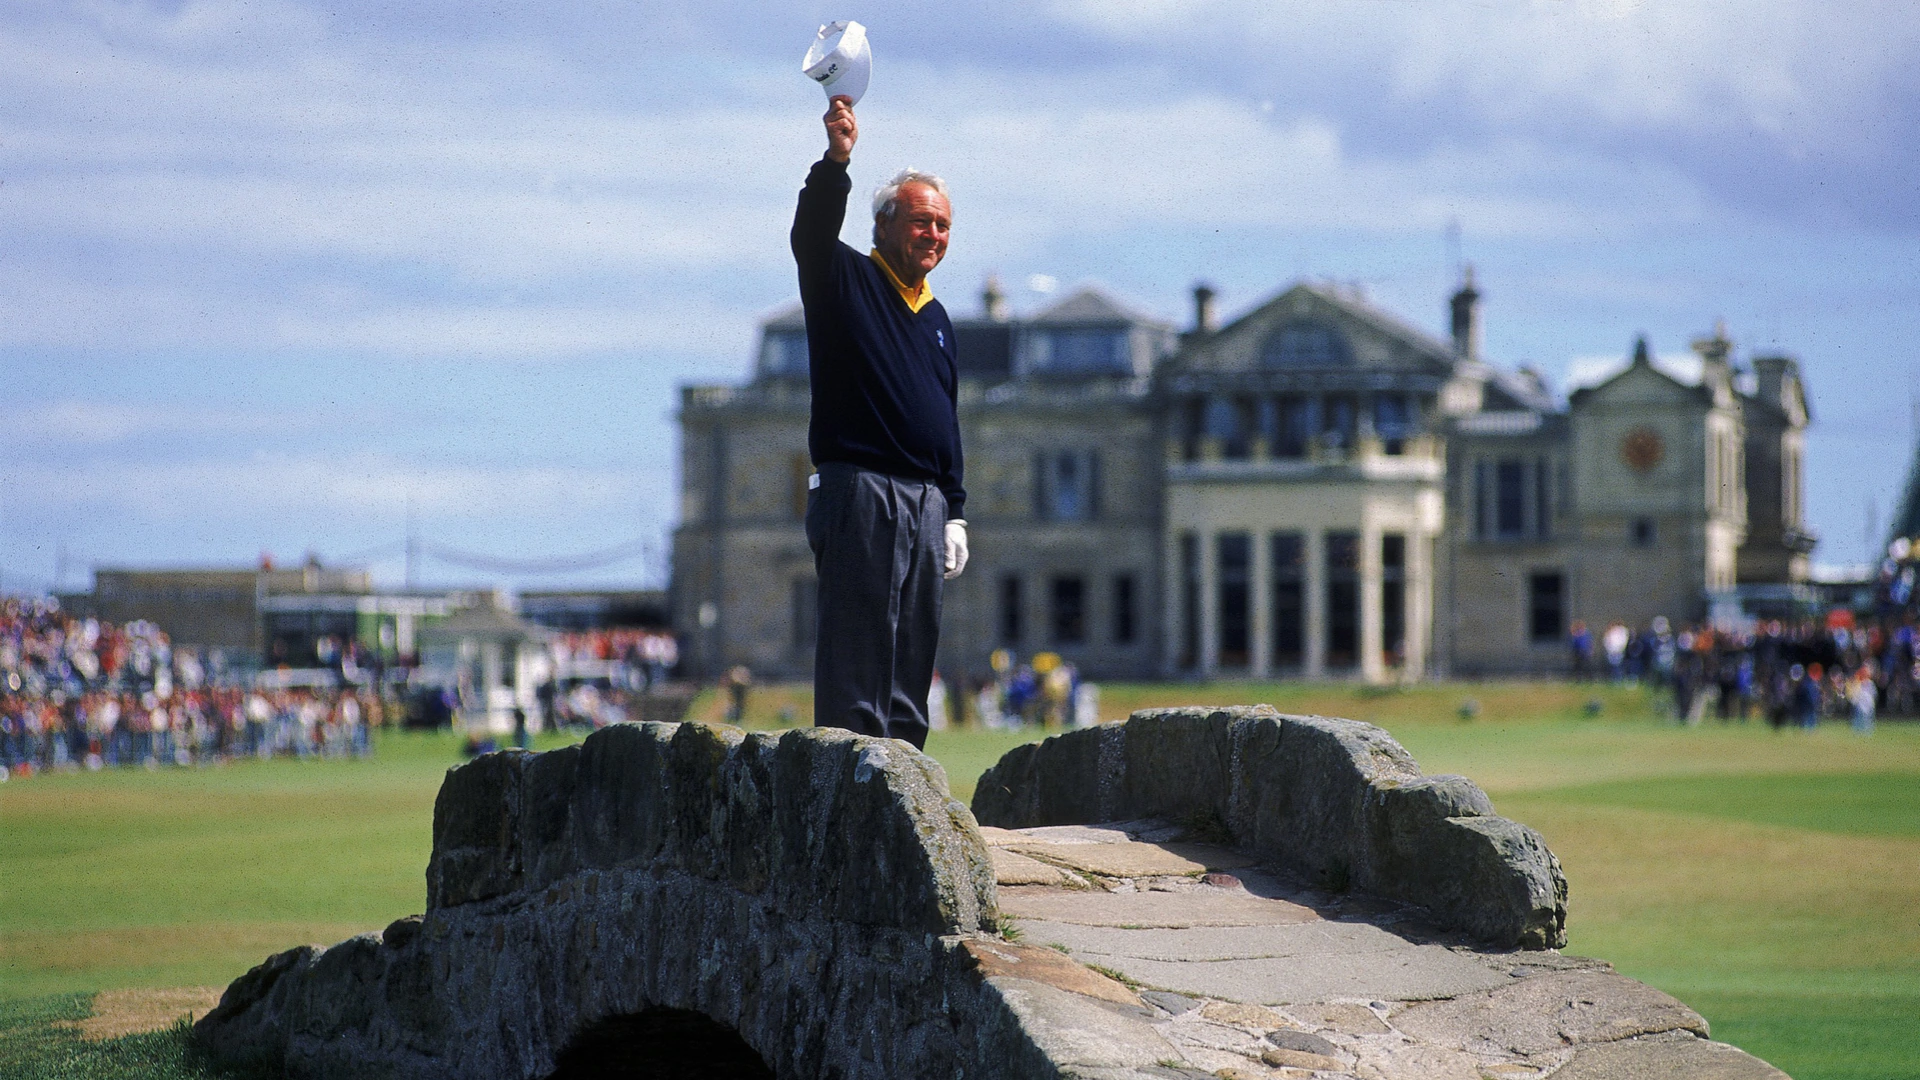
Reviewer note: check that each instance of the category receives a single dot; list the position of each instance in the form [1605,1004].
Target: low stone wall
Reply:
[814,891]
[1337,800]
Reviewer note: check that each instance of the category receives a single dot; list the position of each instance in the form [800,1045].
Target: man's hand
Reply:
[956,548]
[842,131]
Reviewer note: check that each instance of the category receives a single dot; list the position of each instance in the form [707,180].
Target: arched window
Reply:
[1306,344]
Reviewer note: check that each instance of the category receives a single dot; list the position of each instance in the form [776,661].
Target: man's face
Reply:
[914,239]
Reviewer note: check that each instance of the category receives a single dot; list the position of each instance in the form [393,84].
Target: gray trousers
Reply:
[879,545]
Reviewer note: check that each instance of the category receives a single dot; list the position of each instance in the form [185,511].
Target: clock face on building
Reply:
[1642,449]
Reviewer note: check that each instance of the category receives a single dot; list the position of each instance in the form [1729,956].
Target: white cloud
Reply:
[95,423]
[360,485]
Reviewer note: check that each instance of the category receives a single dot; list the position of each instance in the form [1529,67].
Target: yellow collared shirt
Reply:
[915,298]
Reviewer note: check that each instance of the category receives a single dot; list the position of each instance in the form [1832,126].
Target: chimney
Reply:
[1466,318]
[1773,374]
[993,302]
[1642,356]
[1202,308]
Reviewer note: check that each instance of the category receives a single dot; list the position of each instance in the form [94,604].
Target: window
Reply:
[1192,426]
[1067,485]
[1079,352]
[1123,609]
[1642,532]
[1542,499]
[806,611]
[1067,610]
[1306,344]
[1288,553]
[1482,495]
[1230,421]
[1233,553]
[1189,600]
[1393,598]
[1546,606]
[784,352]
[1510,499]
[1392,422]
[1293,422]
[1010,611]
[1343,600]
[1337,420]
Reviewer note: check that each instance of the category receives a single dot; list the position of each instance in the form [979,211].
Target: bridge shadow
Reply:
[659,1044]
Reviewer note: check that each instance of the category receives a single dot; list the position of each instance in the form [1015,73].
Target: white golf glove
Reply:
[956,547]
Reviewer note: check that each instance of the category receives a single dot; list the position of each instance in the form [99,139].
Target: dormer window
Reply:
[1307,344]
[1392,422]
[1078,352]
[784,352]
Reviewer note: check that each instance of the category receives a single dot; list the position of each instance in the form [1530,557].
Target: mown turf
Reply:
[38,1043]
[1770,879]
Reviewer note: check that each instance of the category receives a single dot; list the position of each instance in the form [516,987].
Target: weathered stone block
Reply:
[1178,762]
[697,797]
[619,815]
[546,815]
[1010,789]
[1077,778]
[476,831]
[1338,801]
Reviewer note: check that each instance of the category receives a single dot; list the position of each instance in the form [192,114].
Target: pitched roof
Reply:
[791,317]
[1090,305]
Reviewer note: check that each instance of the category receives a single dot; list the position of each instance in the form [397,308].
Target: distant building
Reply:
[271,616]
[1316,489]
[595,609]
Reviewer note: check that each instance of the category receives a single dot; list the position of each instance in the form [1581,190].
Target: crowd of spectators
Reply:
[1046,691]
[1791,673]
[599,673]
[81,693]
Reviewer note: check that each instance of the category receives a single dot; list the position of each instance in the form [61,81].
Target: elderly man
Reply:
[884,507]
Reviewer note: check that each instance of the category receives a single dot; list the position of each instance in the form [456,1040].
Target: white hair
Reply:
[887,195]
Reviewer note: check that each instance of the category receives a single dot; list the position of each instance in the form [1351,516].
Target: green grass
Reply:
[37,1044]
[1771,880]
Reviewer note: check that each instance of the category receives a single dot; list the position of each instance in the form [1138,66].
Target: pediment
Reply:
[1642,384]
[1316,328]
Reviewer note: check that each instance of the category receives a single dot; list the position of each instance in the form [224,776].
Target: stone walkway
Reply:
[1135,951]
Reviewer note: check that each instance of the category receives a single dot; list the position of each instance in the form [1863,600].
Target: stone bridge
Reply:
[1193,893]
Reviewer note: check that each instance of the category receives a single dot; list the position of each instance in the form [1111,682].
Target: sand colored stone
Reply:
[1241,1015]
[1123,859]
[1048,966]
[1666,1057]
[1013,868]
[1302,1059]
[1347,1019]
[1547,1012]
[1202,906]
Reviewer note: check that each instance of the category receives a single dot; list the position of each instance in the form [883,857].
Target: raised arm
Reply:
[823,202]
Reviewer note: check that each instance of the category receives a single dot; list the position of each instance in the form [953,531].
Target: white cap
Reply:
[840,60]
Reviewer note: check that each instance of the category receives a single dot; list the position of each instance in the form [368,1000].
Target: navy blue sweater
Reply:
[885,381]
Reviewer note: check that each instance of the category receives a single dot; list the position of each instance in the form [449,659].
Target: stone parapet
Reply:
[1337,801]
[810,890]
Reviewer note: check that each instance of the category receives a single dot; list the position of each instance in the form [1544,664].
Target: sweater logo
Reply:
[941,337]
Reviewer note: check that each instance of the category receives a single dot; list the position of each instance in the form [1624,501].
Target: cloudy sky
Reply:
[276,274]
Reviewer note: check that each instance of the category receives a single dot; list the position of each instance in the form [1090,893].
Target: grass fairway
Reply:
[1770,880]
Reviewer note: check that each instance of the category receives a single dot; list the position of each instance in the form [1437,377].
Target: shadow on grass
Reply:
[38,1041]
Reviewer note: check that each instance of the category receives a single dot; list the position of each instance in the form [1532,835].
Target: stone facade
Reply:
[1316,489]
